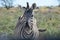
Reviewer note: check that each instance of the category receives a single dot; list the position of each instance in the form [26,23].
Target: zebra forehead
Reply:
[29,10]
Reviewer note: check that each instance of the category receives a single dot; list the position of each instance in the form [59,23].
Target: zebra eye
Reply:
[31,15]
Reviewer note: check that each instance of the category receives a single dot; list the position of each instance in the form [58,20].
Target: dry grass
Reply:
[46,18]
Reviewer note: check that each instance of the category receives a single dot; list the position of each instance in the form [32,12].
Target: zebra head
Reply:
[29,11]
[29,14]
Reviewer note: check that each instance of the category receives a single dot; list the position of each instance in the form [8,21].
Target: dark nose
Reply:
[27,24]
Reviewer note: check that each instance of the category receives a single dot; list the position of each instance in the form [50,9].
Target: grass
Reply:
[49,20]
[8,20]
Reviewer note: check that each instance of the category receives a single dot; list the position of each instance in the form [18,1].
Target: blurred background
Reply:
[47,15]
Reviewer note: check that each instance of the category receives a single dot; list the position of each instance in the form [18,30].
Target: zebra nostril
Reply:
[31,17]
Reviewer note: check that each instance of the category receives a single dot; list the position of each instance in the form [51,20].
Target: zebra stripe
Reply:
[27,30]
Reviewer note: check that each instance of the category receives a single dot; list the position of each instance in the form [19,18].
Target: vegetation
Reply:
[59,2]
[48,18]
[7,3]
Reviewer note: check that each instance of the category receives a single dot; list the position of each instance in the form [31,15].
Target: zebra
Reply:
[26,28]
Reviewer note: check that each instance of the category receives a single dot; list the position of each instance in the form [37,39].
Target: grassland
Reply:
[48,18]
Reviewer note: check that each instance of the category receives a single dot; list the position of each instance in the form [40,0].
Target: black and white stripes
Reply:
[26,28]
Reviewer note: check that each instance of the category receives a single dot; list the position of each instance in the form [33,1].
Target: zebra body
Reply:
[24,32]
[26,28]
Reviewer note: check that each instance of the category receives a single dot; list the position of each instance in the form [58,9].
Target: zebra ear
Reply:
[24,7]
[27,5]
[33,6]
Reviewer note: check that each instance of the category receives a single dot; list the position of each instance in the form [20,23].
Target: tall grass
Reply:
[47,20]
